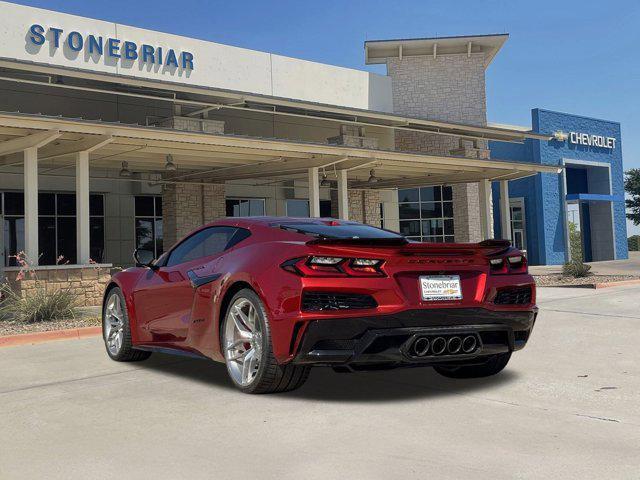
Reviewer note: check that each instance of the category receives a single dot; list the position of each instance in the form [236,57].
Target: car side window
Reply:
[209,241]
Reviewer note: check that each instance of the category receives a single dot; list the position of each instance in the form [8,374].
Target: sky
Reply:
[578,57]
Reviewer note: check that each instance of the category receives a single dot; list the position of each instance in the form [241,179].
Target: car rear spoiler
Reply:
[486,247]
[363,242]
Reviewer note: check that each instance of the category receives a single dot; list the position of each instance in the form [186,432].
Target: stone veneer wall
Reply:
[364,206]
[87,283]
[448,88]
[186,207]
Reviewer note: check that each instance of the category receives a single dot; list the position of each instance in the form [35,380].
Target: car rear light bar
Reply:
[318,266]
[509,264]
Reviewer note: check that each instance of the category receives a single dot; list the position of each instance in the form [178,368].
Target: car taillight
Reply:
[508,264]
[317,266]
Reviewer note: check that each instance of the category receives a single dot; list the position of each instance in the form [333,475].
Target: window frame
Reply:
[247,199]
[55,216]
[419,203]
[154,218]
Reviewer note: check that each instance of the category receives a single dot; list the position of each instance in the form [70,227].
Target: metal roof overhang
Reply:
[211,98]
[213,158]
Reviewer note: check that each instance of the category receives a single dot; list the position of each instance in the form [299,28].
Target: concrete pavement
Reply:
[566,407]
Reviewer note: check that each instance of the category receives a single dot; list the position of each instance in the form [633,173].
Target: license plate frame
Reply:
[440,288]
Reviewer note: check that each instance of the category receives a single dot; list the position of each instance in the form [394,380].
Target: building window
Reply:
[56,227]
[148,222]
[519,239]
[300,208]
[426,214]
[245,207]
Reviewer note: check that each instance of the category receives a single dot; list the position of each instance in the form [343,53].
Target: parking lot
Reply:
[566,407]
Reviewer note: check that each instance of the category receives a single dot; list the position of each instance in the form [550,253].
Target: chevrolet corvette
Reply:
[272,297]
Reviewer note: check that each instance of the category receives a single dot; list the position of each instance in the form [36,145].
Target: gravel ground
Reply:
[16,328]
[562,281]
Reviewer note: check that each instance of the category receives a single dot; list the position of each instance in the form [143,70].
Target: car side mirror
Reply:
[144,258]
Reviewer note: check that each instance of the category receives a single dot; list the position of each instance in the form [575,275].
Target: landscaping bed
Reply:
[8,327]
[559,280]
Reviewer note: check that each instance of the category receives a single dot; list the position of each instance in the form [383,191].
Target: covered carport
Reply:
[46,145]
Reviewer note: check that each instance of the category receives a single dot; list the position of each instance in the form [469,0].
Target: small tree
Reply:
[575,242]
[632,187]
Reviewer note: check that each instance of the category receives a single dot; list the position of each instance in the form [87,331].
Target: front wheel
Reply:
[492,366]
[116,330]
[248,352]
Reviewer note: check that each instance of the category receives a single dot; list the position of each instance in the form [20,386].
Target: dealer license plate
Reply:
[440,287]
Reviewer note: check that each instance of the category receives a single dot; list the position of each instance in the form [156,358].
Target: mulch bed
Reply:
[16,328]
[562,281]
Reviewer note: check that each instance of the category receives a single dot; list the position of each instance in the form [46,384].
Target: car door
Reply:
[164,297]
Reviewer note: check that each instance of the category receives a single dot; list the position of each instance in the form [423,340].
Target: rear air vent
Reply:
[320,301]
[513,296]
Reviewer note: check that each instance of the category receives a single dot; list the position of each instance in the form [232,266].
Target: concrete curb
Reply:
[595,285]
[50,336]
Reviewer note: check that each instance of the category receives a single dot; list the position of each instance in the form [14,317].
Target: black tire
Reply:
[126,353]
[271,377]
[493,366]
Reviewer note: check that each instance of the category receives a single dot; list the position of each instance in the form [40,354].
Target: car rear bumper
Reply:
[388,340]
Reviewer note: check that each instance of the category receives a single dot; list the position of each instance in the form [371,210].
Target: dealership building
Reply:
[114,137]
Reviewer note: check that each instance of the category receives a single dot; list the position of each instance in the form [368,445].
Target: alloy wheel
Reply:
[243,342]
[114,324]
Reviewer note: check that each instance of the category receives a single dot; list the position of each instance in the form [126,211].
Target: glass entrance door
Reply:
[518,228]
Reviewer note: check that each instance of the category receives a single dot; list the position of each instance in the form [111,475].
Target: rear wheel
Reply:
[248,352]
[494,365]
[116,330]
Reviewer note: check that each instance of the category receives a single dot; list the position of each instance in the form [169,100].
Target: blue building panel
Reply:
[593,146]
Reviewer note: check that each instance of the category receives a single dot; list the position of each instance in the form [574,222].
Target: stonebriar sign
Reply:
[115,48]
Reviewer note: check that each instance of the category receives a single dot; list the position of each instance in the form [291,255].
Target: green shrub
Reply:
[38,306]
[576,269]
[634,243]
[575,242]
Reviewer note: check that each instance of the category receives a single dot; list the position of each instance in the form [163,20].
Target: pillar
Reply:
[343,195]
[82,208]
[505,210]
[486,216]
[31,248]
[314,193]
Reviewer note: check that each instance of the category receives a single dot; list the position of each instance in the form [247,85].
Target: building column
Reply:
[505,210]
[486,216]
[343,195]
[83,255]
[31,248]
[314,193]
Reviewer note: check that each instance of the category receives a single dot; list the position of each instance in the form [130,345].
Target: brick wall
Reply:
[87,283]
[186,207]
[448,88]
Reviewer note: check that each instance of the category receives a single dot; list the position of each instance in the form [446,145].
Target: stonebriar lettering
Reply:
[111,47]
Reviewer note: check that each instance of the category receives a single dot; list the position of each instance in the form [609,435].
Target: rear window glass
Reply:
[340,231]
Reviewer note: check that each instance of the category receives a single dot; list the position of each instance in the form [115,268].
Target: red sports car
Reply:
[272,297]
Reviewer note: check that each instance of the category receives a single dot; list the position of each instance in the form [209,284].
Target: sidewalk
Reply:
[611,267]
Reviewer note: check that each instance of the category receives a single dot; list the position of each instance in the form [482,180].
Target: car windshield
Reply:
[341,231]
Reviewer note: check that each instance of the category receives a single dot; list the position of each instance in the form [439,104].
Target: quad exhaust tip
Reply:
[453,345]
